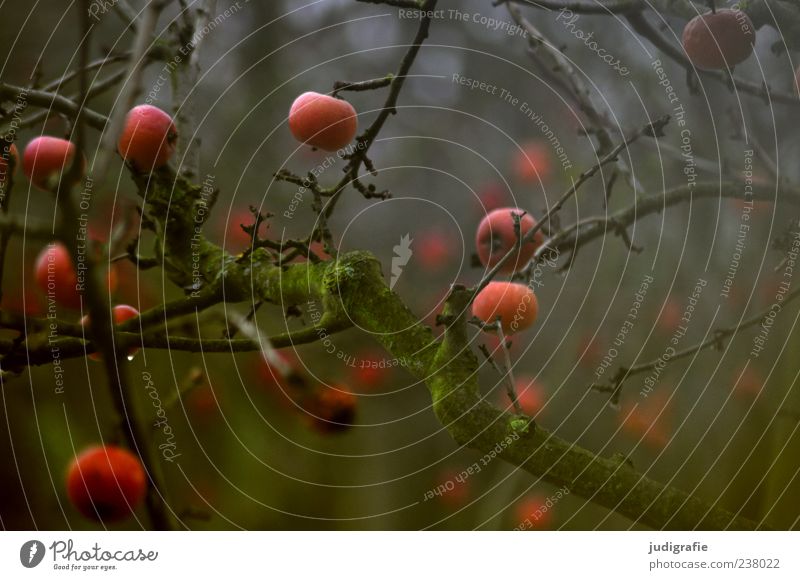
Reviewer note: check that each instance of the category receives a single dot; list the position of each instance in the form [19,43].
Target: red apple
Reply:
[532,162]
[719,40]
[649,420]
[515,304]
[148,138]
[322,121]
[671,315]
[106,483]
[433,250]
[496,237]
[46,159]
[530,395]
[589,352]
[750,384]
[492,196]
[236,239]
[370,370]
[57,279]
[453,487]
[332,409]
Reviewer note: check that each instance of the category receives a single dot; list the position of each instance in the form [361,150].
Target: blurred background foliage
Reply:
[249,458]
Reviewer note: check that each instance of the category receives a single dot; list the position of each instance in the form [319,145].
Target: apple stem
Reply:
[511,388]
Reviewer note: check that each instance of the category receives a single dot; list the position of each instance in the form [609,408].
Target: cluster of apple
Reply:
[147,143]
[104,483]
[514,304]
[107,483]
[329,123]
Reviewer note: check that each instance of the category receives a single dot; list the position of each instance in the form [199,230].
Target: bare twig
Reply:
[718,336]
[55,102]
[573,237]
[554,63]
[369,85]
[127,14]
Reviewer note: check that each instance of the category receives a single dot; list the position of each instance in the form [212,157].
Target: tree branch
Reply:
[718,336]
[55,102]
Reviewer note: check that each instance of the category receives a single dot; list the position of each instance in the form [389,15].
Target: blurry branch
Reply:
[781,15]
[413,4]
[194,380]
[155,52]
[185,78]
[6,190]
[585,7]
[36,351]
[761,12]
[12,225]
[654,130]
[750,138]
[558,67]
[669,150]
[56,84]
[126,13]
[96,89]
[511,383]
[53,101]
[718,336]
[573,237]
[133,80]
[101,325]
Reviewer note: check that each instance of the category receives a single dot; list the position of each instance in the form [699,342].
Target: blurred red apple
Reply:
[531,395]
[671,315]
[453,487]
[332,409]
[432,250]
[649,420]
[532,513]
[370,369]
[750,384]
[590,352]
[532,162]
[492,196]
